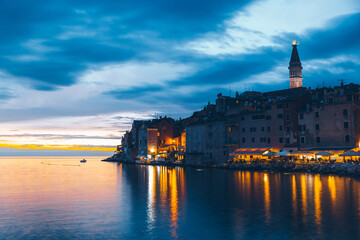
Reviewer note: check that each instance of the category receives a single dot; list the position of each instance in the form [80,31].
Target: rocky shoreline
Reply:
[341,169]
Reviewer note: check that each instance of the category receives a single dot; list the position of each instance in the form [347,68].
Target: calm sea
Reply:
[60,198]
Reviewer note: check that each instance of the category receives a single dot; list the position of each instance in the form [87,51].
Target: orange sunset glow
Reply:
[59,147]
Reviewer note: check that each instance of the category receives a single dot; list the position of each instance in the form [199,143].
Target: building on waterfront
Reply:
[162,137]
[255,124]
[205,136]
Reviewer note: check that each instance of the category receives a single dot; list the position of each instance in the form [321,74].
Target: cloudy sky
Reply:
[78,72]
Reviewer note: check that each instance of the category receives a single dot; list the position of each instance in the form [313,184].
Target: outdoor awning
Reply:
[283,153]
[269,154]
[324,154]
[303,153]
[350,153]
[250,151]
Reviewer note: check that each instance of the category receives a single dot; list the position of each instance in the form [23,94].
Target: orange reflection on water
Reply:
[267,196]
[294,199]
[332,188]
[163,184]
[169,185]
[317,200]
[174,208]
[151,196]
[304,197]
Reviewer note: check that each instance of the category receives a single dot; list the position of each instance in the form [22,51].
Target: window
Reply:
[279,106]
[263,139]
[317,139]
[349,98]
[301,116]
[224,153]
[243,129]
[287,117]
[242,118]
[243,140]
[317,127]
[346,124]
[345,112]
[268,107]
[331,100]
[253,129]
[288,128]
[347,138]
[302,128]
[302,139]
[316,114]
[287,140]
[280,127]
[269,140]
[229,129]
[280,116]
[287,105]
[263,129]
[269,129]
[281,139]
[253,140]
[268,117]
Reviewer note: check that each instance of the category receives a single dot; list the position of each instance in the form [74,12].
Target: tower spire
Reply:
[295,68]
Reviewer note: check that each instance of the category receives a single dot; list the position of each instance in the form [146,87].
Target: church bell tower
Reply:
[295,68]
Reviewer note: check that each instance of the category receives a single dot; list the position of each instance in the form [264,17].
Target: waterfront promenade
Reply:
[337,168]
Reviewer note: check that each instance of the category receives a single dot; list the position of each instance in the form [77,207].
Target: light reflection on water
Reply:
[97,200]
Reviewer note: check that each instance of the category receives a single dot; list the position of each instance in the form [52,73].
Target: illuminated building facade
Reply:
[294,119]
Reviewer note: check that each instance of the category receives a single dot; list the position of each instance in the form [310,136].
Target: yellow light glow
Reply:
[294,42]
[317,200]
[267,197]
[59,147]
[152,150]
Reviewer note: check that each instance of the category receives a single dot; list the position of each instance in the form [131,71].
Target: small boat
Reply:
[83,161]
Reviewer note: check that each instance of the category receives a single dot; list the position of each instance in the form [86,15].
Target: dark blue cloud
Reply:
[135,92]
[155,27]
[233,70]
[172,19]
[341,37]
[21,21]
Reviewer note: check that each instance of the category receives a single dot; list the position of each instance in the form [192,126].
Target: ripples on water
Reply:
[59,198]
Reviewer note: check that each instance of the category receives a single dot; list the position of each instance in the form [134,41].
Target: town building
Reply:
[256,125]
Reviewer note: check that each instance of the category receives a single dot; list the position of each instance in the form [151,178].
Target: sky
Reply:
[77,73]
